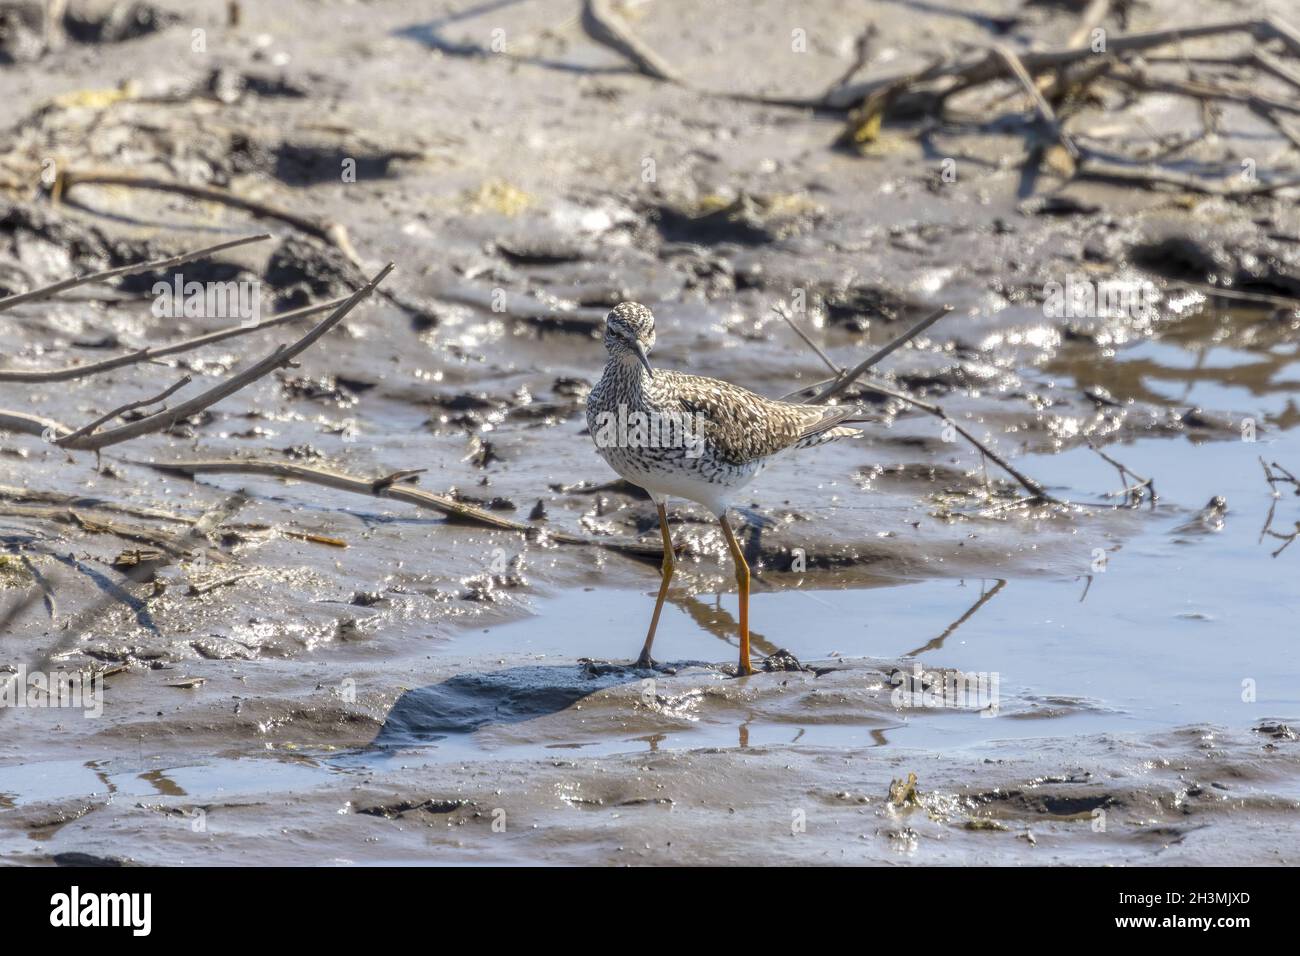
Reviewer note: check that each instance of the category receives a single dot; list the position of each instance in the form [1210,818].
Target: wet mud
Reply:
[343,678]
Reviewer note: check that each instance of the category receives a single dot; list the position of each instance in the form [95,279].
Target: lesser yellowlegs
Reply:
[692,437]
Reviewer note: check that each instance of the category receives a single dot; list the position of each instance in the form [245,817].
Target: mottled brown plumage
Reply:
[742,426]
[724,436]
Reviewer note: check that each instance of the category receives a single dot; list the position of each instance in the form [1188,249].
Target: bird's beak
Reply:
[640,354]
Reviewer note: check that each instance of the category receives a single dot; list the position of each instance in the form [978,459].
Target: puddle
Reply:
[200,782]
[1177,624]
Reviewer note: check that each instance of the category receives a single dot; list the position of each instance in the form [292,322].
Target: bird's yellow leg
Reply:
[645,660]
[742,579]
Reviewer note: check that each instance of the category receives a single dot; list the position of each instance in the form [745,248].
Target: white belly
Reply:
[695,481]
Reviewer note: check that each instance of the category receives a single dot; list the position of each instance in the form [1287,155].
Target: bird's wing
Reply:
[743,426]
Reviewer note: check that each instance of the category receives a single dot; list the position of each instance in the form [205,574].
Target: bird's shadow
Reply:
[468,702]
[465,703]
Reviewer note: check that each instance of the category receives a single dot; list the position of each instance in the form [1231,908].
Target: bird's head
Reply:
[630,333]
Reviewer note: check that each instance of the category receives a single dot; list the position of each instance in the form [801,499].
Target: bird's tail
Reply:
[830,434]
[827,423]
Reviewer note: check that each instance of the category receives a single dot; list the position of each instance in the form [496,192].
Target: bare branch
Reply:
[1140,80]
[991,66]
[1135,492]
[861,53]
[781,310]
[158,351]
[1151,177]
[391,486]
[278,358]
[49,291]
[1268,62]
[602,25]
[129,406]
[1282,477]
[11,421]
[1017,68]
[1089,20]
[848,378]
[836,386]
[1029,484]
[332,232]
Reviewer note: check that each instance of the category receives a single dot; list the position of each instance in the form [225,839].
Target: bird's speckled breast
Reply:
[691,470]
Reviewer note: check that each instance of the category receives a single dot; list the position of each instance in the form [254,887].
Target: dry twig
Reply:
[990,66]
[1044,108]
[159,351]
[861,53]
[49,291]
[89,428]
[1152,176]
[1282,476]
[605,27]
[1141,487]
[82,441]
[846,378]
[333,233]
[391,486]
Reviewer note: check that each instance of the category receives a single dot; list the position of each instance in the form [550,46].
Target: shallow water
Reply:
[1177,624]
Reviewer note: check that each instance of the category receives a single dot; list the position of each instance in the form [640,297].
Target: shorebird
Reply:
[692,437]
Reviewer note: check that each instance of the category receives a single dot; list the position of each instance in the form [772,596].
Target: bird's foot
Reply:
[744,669]
[645,661]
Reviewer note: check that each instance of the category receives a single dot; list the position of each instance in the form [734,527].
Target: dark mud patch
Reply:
[1030,803]
[303,271]
[747,220]
[24,37]
[93,23]
[81,860]
[34,233]
[306,164]
[205,271]
[402,808]
[230,85]
[1262,263]
[531,249]
[856,306]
